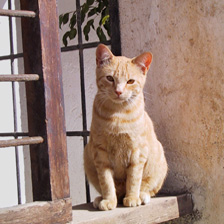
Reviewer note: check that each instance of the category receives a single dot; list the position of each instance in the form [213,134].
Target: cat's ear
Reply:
[103,55]
[143,61]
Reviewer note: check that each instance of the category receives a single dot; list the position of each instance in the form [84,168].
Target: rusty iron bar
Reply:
[17,13]
[11,56]
[19,78]
[83,46]
[20,142]
[23,134]
[82,84]
[14,134]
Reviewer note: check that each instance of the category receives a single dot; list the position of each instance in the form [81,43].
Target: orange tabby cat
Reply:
[123,159]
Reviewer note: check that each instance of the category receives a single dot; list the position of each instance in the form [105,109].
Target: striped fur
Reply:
[123,159]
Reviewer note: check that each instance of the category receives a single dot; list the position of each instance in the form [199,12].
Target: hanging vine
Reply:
[90,10]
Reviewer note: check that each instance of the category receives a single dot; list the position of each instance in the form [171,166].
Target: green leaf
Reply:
[60,20]
[107,27]
[91,23]
[92,12]
[101,34]
[85,8]
[100,7]
[64,39]
[90,2]
[72,33]
[105,19]
[93,9]
[72,21]
[87,37]
[106,2]
[65,18]
[83,15]
[86,29]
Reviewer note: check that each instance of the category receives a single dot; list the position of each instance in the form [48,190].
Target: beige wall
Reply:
[185,91]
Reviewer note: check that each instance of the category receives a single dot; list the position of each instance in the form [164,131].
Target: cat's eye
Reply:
[130,81]
[110,78]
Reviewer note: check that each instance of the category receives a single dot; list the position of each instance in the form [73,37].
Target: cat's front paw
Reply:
[131,201]
[145,197]
[97,202]
[105,204]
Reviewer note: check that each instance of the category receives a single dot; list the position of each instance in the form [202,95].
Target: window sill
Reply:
[160,209]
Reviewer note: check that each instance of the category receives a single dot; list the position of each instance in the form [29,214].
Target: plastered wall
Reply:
[184,92]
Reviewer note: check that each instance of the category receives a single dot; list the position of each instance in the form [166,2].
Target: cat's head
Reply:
[119,78]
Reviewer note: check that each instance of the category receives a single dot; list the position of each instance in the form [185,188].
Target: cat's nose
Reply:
[118,92]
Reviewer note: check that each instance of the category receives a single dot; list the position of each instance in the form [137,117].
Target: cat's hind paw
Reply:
[131,201]
[104,204]
[145,198]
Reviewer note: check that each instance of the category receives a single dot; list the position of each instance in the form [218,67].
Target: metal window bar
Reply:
[82,80]
[11,56]
[116,49]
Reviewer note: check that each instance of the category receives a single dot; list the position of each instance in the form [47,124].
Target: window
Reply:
[78,62]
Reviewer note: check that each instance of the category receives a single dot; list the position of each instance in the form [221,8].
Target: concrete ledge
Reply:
[160,209]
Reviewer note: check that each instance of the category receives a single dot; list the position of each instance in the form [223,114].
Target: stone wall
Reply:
[184,91]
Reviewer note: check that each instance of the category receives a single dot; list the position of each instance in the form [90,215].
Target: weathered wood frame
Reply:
[49,163]
[45,100]
[50,212]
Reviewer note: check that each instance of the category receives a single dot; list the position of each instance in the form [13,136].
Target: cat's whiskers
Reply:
[147,99]
[147,96]
[132,102]
[101,100]
[134,99]
[146,93]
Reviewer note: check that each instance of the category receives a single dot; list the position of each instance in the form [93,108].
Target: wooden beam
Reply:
[38,212]
[115,27]
[19,78]
[45,104]
[22,141]
[160,209]
[17,13]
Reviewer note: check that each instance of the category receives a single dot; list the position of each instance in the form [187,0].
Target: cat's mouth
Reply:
[121,99]
[118,100]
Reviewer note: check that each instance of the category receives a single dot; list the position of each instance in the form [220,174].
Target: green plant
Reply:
[90,10]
